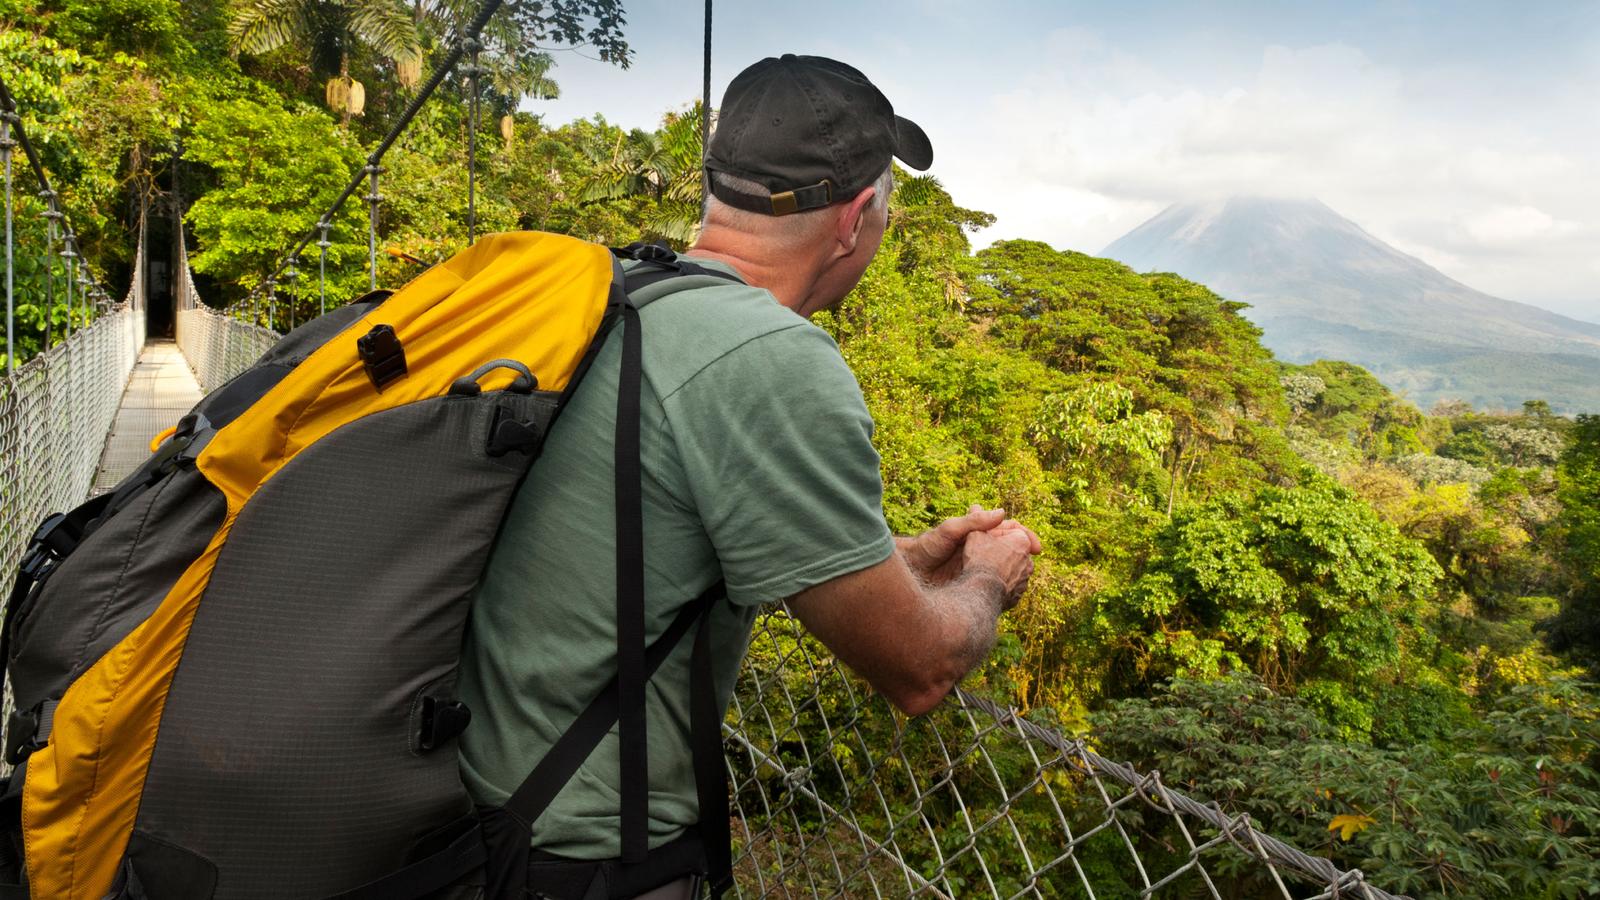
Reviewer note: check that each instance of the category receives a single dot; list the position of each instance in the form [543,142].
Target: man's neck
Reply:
[789,280]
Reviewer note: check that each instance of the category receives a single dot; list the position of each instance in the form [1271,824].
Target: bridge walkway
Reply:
[160,391]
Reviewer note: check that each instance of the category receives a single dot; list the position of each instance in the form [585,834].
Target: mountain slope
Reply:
[1321,287]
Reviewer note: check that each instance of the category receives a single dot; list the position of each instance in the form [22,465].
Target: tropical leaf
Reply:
[387,26]
[1349,826]
[675,221]
[265,25]
[919,190]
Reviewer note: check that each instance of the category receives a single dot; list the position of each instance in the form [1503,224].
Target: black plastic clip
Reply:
[441,721]
[22,733]
[643,252]
[51,543]
[191,436]
[508,433]
[382,355]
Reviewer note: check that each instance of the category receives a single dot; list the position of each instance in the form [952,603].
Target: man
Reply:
[759,470]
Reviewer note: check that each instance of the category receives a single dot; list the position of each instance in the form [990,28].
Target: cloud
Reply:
[1509,225]
[1100,137]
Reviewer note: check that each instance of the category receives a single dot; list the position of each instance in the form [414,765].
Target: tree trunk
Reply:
[344,74]
[1172,483]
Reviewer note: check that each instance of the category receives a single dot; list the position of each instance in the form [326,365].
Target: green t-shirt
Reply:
[758,468]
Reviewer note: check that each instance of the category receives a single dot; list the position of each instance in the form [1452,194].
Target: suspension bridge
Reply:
[835,794]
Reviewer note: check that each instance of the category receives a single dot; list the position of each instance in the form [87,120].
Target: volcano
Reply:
[1321,287]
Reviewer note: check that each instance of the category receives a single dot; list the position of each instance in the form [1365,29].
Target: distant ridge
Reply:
[1321,287]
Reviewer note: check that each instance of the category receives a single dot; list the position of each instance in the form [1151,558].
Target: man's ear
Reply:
[850,220]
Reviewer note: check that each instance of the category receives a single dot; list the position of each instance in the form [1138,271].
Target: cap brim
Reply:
[911,144]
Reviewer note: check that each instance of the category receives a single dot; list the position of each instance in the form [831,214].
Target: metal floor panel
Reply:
[160,391]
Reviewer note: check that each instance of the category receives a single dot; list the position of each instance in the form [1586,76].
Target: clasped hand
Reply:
[982,541]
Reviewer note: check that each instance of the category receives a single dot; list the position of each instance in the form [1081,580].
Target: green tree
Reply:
[1177,346]
[663,166]
[1504,808]
[1577,630]
[328,32]
[519,37]
[274,167]
[1289,583]
[1355,408]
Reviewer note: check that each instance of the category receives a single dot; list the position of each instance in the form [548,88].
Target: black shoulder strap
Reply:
[710,768]
[623,700]
[658,263]
[562,761]
[635,775]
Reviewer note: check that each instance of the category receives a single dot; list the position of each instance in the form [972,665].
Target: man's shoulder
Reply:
[692,331]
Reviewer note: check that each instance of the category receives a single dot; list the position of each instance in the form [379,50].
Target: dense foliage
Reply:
[1283,586]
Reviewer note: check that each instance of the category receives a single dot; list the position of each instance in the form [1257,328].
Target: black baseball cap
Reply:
[811,130]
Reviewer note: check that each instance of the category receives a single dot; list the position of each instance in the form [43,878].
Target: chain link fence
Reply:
[837,795]
[55,413]
[217,345]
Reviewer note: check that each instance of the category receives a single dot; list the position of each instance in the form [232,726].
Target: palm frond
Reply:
[262,26]
[518,77]
[675,221]
[603,188]
[917,190]
[387,25]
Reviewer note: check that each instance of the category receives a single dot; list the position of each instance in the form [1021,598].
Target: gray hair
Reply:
[796,227]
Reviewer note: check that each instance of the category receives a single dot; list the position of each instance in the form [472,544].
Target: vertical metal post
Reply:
[472,46]
[294,297]
[83,288]
[11,303]
[705,111]
[51,214]
[272,305]
[67,254]
[322,267]
[373,199]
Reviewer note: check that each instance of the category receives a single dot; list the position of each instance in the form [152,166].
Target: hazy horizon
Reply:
[1462,134]
[1586,314]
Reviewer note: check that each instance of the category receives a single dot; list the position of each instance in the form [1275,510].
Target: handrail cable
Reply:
[12,135]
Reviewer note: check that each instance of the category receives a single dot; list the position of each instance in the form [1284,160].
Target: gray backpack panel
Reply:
[290,752]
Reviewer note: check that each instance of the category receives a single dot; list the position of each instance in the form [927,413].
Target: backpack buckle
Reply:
[382,355]
[50,544]
[643,252]
[441,721]
[190,437]
[22,732]
[508,433]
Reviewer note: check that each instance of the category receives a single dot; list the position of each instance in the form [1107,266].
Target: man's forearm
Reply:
[915,637]
[968,607]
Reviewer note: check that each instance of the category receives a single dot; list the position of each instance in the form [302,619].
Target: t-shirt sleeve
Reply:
[776,444]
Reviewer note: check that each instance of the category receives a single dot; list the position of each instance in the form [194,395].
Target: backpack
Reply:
[233,675]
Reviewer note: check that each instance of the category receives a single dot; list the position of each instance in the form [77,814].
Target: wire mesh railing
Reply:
[837,795]
[55,412]
[217,346]
[57,407]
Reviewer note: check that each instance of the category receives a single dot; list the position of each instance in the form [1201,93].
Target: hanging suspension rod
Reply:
[8,107]
[458,48]
[705,111]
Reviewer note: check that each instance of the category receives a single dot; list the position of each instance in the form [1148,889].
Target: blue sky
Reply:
[1465,133]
